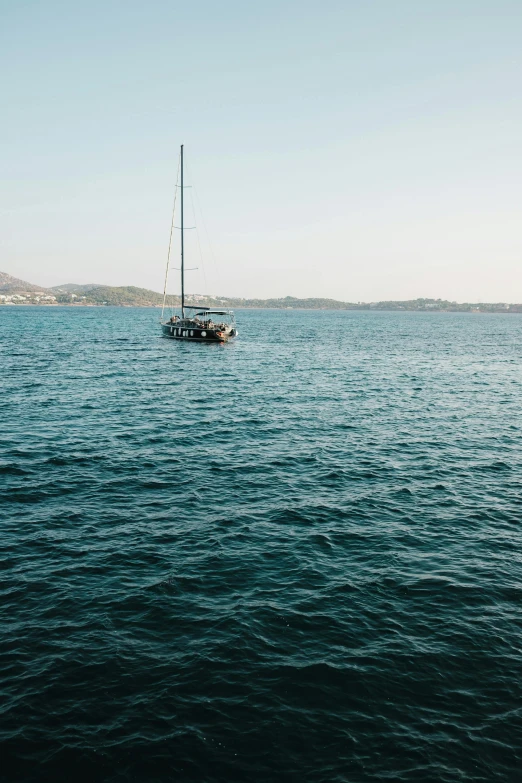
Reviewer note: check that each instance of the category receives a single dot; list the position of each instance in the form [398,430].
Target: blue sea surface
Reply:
[294,557]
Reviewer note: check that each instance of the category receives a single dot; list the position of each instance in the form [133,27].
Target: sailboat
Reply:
[204,325]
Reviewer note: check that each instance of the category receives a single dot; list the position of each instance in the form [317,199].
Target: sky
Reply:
[358,151]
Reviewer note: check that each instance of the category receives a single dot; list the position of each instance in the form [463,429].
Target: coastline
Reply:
[481,309]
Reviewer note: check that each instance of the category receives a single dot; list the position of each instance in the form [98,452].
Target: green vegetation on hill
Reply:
[422,305]
[14,291]
[129,296]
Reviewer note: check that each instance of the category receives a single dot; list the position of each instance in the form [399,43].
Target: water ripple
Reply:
[294,558]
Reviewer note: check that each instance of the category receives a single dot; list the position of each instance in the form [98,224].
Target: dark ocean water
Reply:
[297,557]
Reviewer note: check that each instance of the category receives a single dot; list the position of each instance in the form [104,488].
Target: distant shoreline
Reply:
[21,293]
[484,309]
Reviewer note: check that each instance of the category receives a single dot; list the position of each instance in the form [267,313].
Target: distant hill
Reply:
[14,291]
[12,285]
[107,295]
[73,288]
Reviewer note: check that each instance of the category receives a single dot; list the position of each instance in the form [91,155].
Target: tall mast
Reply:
[182,245]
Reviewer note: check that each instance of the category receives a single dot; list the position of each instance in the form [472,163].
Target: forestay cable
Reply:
[170,240]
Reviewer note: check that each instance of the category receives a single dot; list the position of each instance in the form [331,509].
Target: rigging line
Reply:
[170,240]
[212,254]
[199,244]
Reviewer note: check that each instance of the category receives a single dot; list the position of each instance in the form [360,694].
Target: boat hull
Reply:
[197,334]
